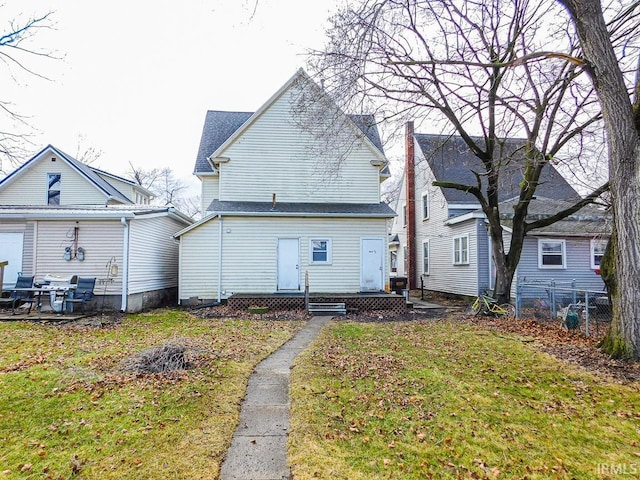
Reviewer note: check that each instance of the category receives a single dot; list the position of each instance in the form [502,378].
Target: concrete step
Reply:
[327,308]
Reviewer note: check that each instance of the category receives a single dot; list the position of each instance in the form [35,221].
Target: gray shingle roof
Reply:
[219,126]
[590,220]
[451,161]
[380,210]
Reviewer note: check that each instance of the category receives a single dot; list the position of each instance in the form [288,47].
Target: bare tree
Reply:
[17,53]
[484,71]
[168,189]
[87,153]
[608,67]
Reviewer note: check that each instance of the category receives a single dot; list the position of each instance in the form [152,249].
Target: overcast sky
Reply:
[136,77]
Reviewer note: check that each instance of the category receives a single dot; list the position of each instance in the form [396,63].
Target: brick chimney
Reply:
[410,175]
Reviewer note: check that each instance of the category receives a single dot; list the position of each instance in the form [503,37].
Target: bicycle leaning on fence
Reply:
[485,304]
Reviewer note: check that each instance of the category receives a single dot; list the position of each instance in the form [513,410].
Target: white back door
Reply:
[371,269]
[11,245]
[288,264]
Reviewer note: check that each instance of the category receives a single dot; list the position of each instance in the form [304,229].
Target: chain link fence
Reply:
[574,308]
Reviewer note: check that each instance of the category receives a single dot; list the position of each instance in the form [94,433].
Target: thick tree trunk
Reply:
[623,339]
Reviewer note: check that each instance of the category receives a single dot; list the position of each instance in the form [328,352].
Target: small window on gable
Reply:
[425,257]
[597,252]
[461,250]
[53,190]
[404,215]
[425,205]
[551,254]
[320,251]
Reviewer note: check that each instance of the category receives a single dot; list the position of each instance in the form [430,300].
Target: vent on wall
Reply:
[53,159]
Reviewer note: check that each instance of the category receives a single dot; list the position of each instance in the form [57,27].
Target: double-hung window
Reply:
[461,250]
[551,253]
[425,205]
[320,251]
[53,189]
[597,252]
[425,257]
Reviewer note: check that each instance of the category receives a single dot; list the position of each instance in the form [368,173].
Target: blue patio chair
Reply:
[82,293]
[19,297]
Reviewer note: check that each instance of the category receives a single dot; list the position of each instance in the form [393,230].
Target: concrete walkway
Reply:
[259,447]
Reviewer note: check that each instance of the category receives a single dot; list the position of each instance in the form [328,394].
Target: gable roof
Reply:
[89,173]
[589,221]
[221,128]
[450,160]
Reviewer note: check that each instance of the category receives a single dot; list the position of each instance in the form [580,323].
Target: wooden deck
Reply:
[353,302]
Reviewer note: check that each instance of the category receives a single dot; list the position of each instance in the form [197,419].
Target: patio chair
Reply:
[19,297]
[82,293]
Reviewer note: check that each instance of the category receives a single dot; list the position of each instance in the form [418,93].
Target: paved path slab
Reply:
[259,447]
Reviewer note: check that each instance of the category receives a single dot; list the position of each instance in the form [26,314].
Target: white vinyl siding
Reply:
[250,260]
[153,254]
[101,241]
[276,155]
[210,191]
[443,276]
[31,186]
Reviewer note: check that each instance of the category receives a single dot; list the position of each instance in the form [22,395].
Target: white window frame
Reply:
[404,215]
[426,257]
[597,243]
[328,261]
[393,261]
[563,253]
[405,260]
[426,208]
[460,255]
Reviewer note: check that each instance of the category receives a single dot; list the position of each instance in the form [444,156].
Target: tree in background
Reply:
[17,50]
[616,81]
[485,71]
[168,189]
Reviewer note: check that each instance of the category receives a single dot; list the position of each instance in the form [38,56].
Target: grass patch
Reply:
[68,410]
[448,400]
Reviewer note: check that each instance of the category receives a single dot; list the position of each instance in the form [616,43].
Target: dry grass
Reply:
[449,400]
[68,410]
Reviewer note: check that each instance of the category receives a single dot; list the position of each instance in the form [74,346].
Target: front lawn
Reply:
[446,399]
[67,410]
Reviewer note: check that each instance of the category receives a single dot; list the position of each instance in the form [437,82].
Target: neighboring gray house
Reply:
[284,202]
[61,217]
[447,231]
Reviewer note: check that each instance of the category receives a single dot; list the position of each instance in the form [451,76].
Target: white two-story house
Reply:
[291,194]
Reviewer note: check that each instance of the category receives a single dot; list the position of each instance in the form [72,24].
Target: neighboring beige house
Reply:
[61,217]
[291,191]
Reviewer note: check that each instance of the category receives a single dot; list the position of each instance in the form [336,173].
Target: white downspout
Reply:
[125,264]
[220,259]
